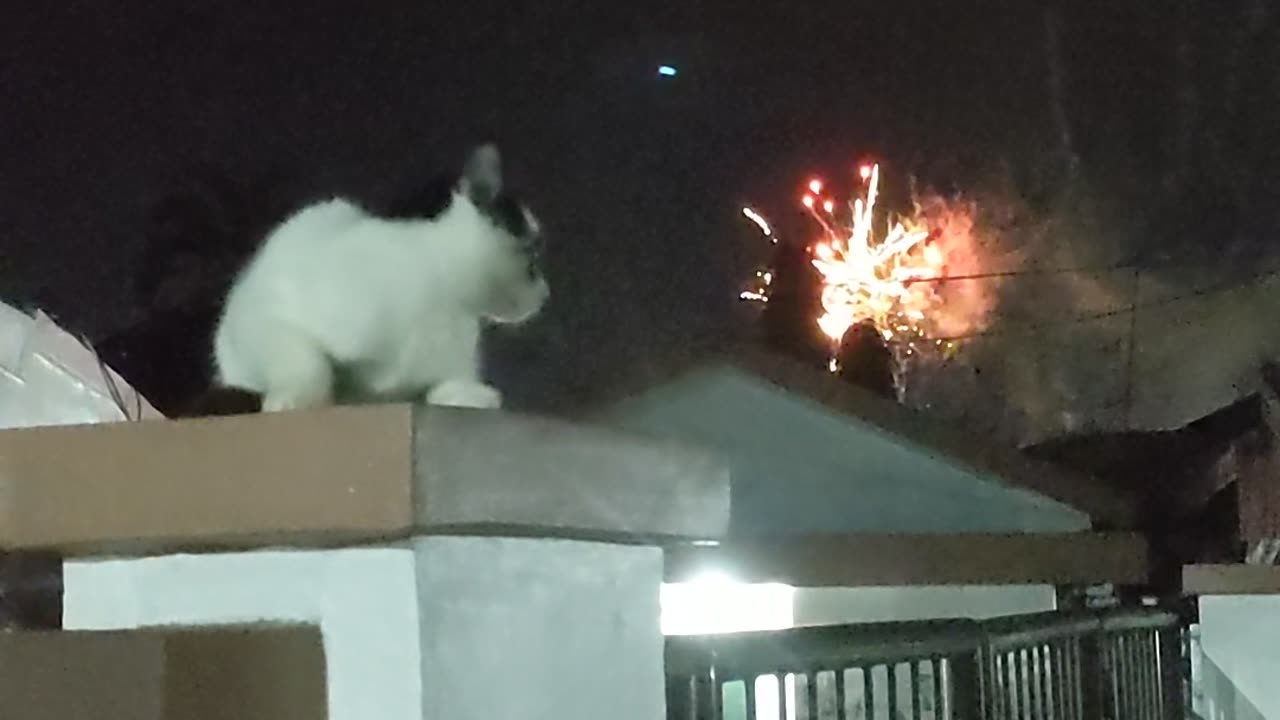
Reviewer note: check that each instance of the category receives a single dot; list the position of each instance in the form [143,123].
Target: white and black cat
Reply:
[345,304]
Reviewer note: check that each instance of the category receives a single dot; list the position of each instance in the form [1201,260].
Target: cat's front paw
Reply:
[465,393]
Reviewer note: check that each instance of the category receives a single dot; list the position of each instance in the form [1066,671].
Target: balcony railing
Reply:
[1115,665]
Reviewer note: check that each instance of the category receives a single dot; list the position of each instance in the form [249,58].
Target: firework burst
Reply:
[868,277]
[884,272]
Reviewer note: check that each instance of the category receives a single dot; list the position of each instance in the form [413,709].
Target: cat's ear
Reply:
[482,174]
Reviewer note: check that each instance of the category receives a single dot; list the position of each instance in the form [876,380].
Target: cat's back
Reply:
[332,270]
[306,248]
[295,279]
[313,230]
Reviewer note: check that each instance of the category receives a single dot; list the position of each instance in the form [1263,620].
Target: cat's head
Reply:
[517,282]
[494,241]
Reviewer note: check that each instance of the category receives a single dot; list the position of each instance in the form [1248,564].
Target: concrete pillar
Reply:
[439,627]
[459,564]
[515,628]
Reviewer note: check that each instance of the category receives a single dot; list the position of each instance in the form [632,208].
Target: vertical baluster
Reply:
[1106,675]
[1058,670]
[713,709]
[1019,683]
[913,679]
[1152,673]
[1112,663]
[1144,673]
[1167,656]
[1049,667]
[939,689]
[1012,691]
[1065,665]
[700,690]
[1071,679]
[1043,663]
[893,689]
[1153,648]
[1005,698]
[1138,652]
[868,692]
[1032,654]
[811,694]
[841,711]
[1119,668]
[1078,680]
[1125,646]
[1136,693]
[782,695]
[1035,690]
[998,686]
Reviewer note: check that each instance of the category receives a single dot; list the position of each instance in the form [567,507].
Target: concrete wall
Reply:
[1240,642]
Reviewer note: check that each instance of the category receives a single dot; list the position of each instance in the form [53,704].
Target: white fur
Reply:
[395,306]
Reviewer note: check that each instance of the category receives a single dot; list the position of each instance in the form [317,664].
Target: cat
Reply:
[346,304]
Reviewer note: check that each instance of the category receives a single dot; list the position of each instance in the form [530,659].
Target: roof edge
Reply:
[1104,505]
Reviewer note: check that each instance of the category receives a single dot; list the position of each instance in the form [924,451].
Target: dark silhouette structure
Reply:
[790,327]
[198,237]
[864,359]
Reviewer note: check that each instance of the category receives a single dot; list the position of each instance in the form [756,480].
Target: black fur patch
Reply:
[431,199]
[423,202]
[507,212]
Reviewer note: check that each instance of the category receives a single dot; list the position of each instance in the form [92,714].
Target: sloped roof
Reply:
[928,436]
[1170,472]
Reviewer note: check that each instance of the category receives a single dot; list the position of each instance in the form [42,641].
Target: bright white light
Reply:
[666,71]
[714,603]
[759,220]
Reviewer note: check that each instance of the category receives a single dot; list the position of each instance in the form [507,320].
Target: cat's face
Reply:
[515,283]
[490,239]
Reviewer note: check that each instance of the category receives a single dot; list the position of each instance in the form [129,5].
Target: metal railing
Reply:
[1114,665]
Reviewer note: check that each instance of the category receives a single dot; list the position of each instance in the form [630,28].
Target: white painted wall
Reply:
[718,605]
[423,630]
[1240,641]
[832,606]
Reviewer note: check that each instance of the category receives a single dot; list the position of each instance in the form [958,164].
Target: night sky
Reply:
[639,178]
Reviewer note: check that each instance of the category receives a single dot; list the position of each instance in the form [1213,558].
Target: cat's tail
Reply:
[197,236]
[200,232]
[223,401]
